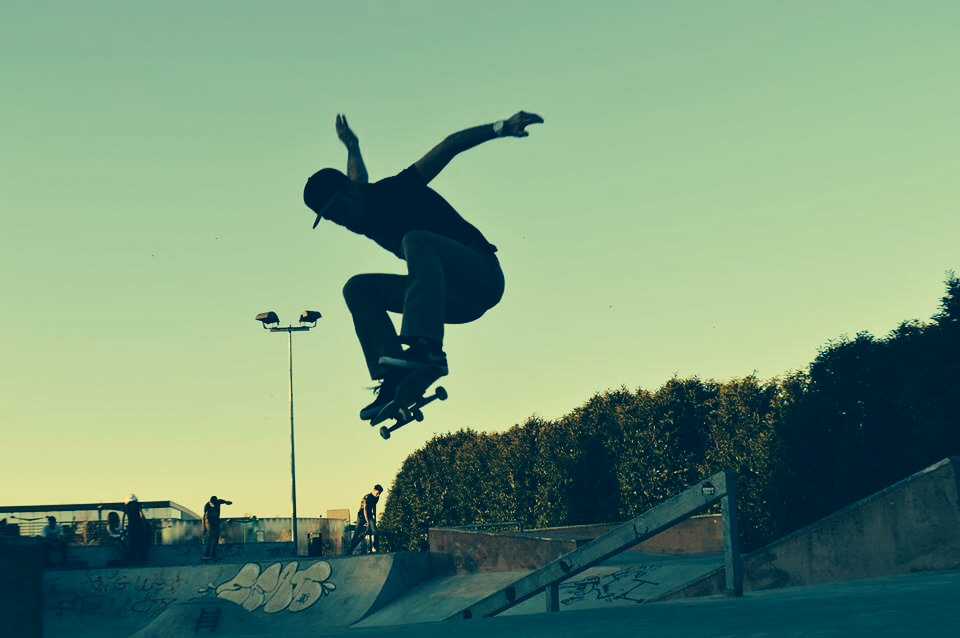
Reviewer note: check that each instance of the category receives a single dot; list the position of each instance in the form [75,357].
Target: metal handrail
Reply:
[719,488]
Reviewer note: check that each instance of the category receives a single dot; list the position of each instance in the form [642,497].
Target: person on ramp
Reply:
[367,520]
[453,274]
[211,526]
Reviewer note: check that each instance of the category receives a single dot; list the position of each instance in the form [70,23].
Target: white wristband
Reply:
[498,128]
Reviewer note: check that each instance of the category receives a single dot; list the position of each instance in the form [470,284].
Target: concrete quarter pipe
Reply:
[284,594]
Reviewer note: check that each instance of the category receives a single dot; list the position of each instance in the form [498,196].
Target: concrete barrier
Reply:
[21,591]
[99,556]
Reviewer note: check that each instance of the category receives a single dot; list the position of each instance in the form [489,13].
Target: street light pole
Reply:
[293,455]
[266,318]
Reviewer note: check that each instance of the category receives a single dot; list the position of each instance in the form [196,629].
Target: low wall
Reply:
[695,535]
[21,587]
[474,551]
[911,526]
[488,552]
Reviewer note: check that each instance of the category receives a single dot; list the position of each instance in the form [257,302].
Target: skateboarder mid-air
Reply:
[453,274]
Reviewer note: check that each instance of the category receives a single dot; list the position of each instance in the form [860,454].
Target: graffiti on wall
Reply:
[116,592]
[621,585]
[278,587]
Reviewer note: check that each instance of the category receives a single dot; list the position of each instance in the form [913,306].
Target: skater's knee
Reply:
[354,290]
[415,241]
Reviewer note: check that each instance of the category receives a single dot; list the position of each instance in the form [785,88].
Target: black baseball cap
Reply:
[320,189]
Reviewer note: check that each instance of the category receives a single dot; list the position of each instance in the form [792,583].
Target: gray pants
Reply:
[446,282]
[362,529]
[212,538]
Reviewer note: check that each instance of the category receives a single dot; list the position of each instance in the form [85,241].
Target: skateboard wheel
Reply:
[385,432]
[418,415]
[441,393]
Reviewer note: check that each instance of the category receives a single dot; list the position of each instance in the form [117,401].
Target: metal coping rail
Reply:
[720,487]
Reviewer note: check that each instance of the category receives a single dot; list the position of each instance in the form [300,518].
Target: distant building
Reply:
[339,515]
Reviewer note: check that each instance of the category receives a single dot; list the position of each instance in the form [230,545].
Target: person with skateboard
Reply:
[453,274]
[138,531]
[366,519]
[211,526]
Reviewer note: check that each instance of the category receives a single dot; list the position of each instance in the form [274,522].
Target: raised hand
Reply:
[346,135]
[516,124]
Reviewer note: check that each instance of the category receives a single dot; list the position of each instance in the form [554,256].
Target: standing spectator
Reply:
[211,526]
[9,529]
[55,545]
[138,531]
[367,519]
[114,526]
[257,530]
[51,531]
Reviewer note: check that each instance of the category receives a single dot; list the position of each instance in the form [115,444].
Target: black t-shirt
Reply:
[134,512]
[369,504]
[211,513]
[397,205]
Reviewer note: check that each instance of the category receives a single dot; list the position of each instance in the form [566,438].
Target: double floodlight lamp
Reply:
[270,318]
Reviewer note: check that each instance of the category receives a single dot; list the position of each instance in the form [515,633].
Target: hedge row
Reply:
[866,412]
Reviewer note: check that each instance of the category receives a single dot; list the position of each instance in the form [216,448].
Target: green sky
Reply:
[719,188]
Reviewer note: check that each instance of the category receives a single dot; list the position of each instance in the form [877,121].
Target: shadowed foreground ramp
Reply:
[204,617]
[918,605]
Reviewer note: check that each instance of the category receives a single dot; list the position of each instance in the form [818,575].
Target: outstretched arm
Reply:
[356,171]
[430,165]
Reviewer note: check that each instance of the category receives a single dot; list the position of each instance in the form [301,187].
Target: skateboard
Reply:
[410,401]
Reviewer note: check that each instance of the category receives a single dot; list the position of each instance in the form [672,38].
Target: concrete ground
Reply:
[916,605]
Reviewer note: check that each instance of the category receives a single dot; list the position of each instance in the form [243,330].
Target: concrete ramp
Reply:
[626,580]
[278,596]
[440,598]
[910,526]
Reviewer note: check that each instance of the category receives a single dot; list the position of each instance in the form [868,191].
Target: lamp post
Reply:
[270,321]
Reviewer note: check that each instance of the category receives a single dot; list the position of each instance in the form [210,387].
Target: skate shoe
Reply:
[420,357]
[385,391]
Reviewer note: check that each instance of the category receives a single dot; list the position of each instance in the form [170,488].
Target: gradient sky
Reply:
[719,188]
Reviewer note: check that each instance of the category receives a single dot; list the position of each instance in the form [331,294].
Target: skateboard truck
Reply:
[413,412]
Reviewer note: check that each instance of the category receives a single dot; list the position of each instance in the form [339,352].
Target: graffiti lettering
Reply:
[278,587]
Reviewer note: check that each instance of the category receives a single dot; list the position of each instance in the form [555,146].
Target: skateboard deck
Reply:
[409,402]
